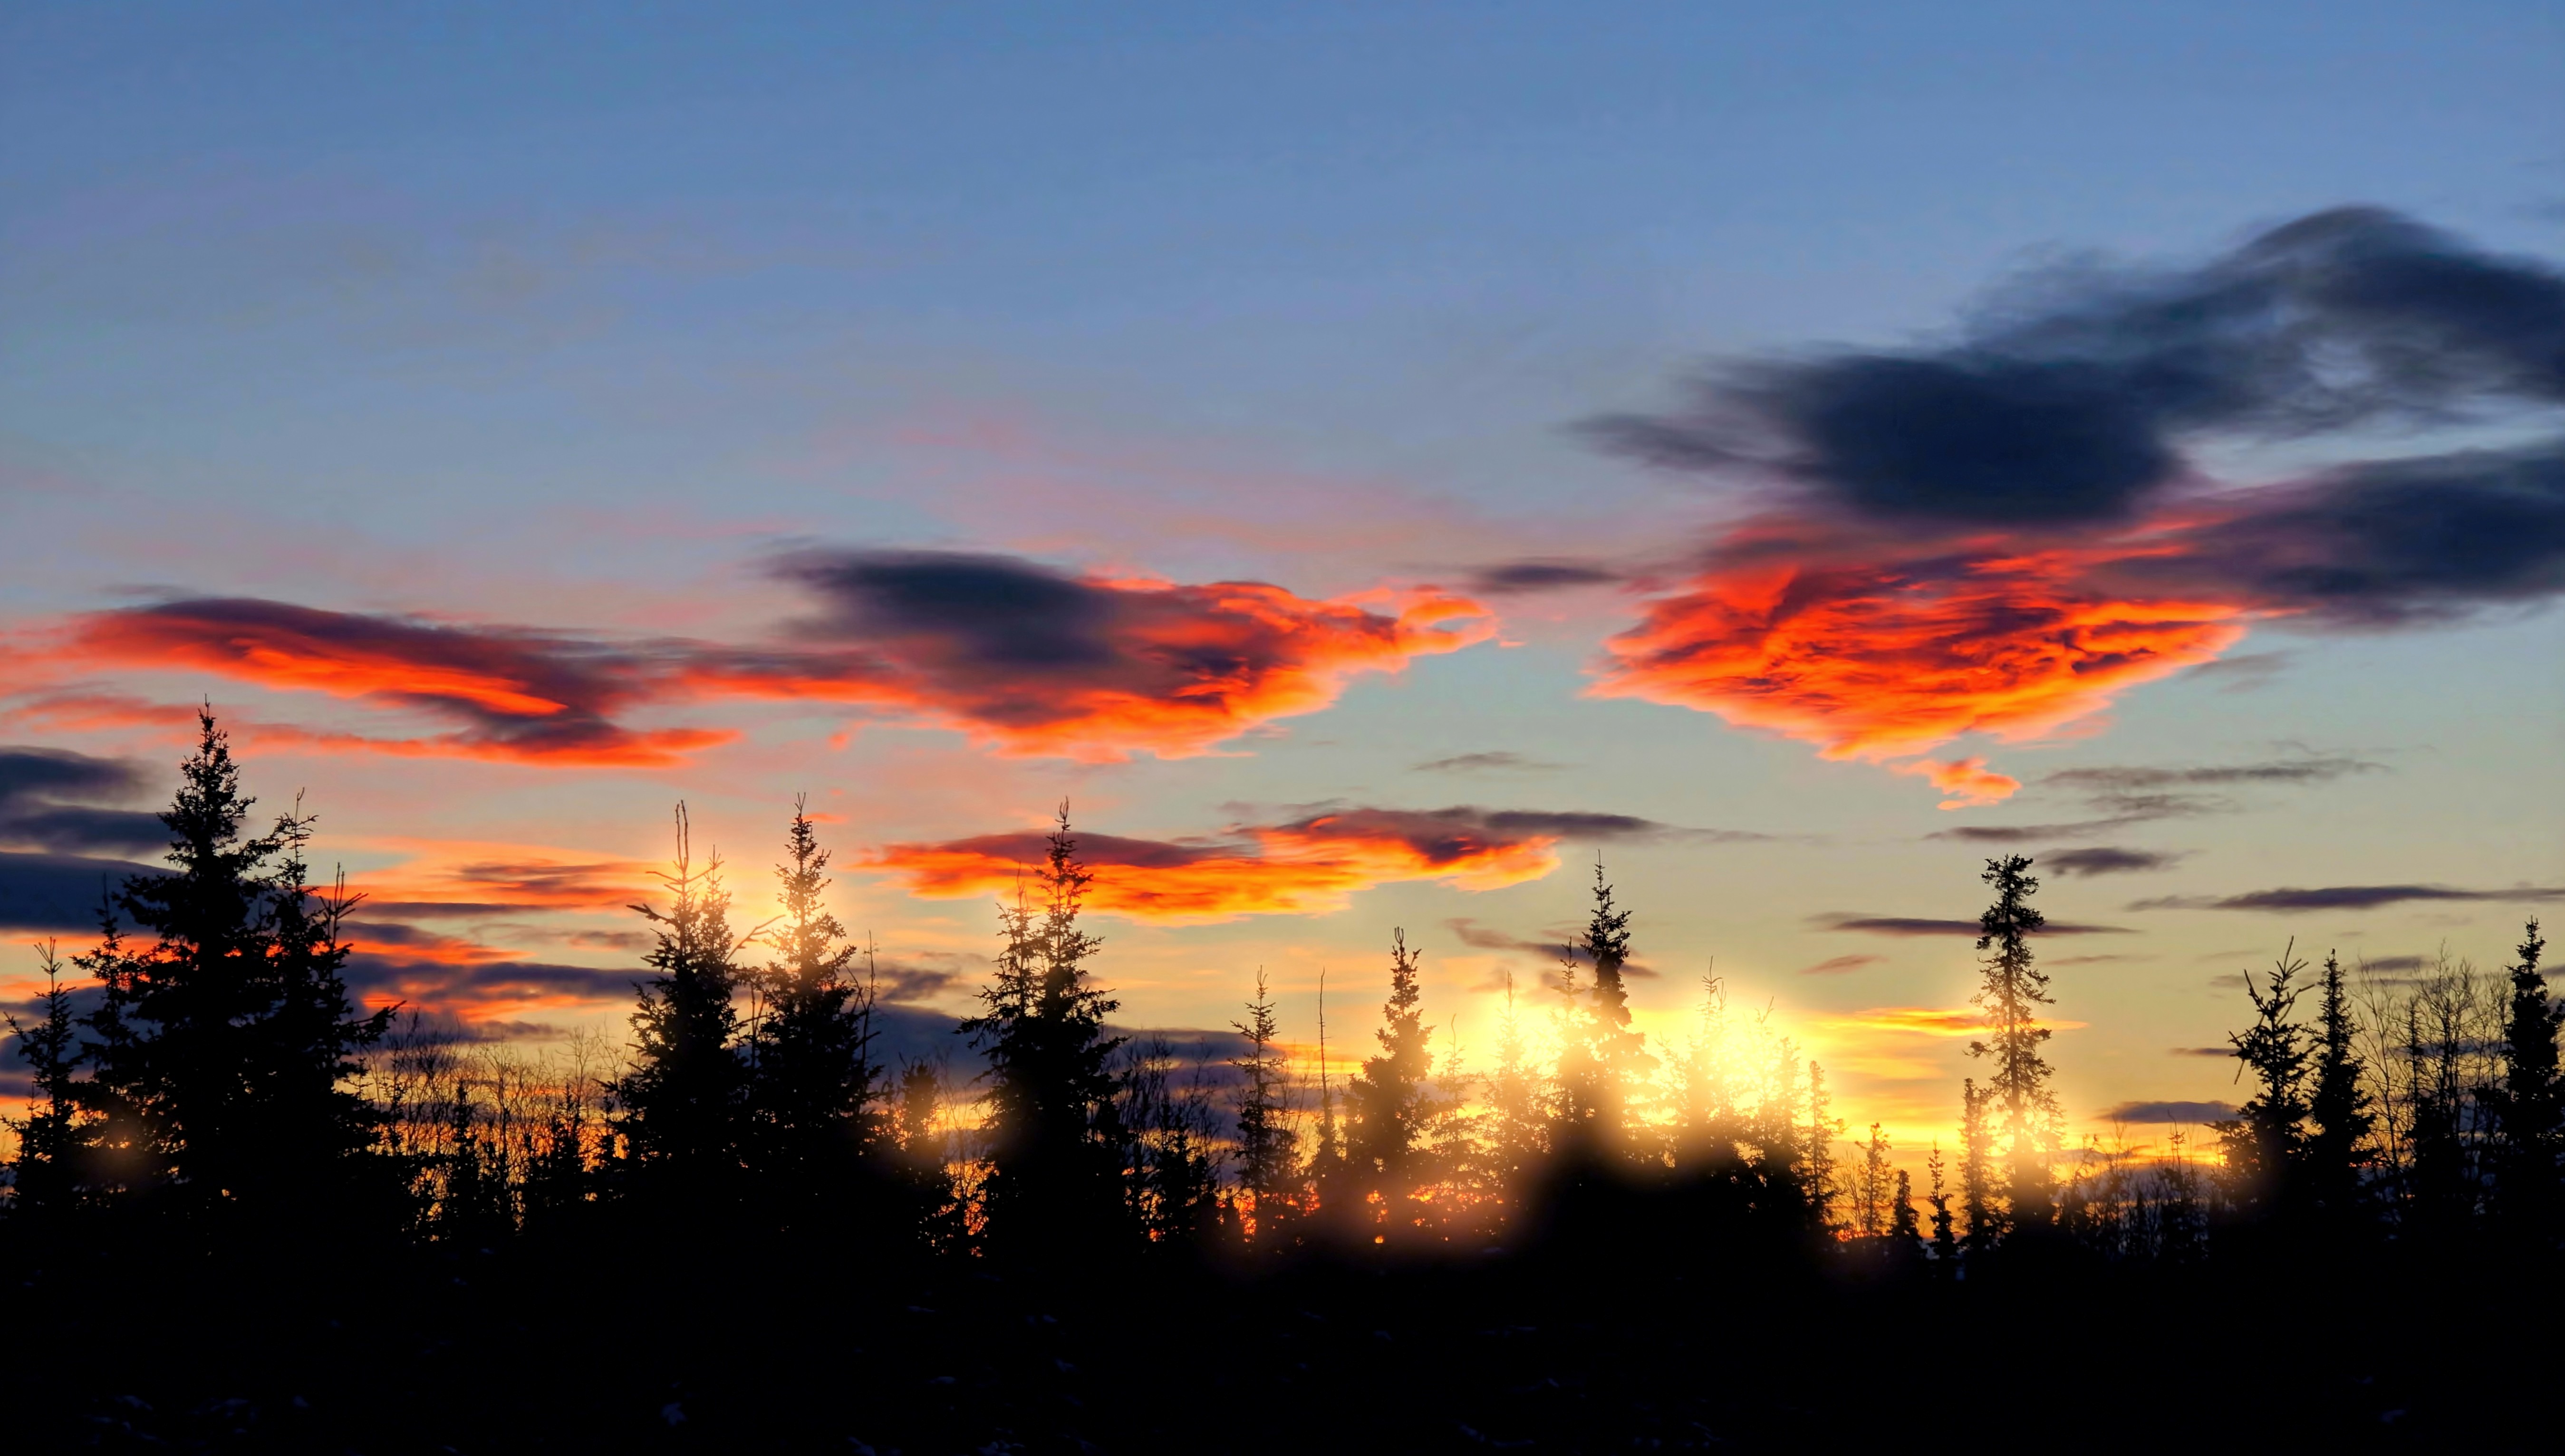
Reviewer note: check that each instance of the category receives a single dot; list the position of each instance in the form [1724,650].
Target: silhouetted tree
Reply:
[1905,1238]
[1171,1168]
[1269,1162]
[1977,1196]
[2528,1105]
[1517,1119]
[923,1163]
[44,1175]
[2339,1107]
[684,1100]
[2264,1143]
[1817,1176]
[2012,991]
[812,1089]
[1389,1095]
[1870,1187]
[1055,1133]
[220,1053]
[1603,1059]
[1945,1239]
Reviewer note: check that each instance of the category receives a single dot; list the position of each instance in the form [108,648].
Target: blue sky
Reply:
[572,318]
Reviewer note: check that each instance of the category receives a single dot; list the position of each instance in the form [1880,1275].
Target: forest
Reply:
[243,1214]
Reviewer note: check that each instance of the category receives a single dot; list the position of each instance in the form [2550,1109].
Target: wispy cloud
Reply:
[1310,865]
[2351,897]
[1887,925]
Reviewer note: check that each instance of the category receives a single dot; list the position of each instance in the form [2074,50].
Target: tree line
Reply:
[204,1085]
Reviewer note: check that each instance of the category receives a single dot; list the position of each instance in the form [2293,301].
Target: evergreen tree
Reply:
[1979,1202]
[45,1175]
[1603,1058]
[2528,1105]
[1946,1242]
[1905,1238]
[684,1100]
[1871,1188]
[1389,1096]
[924,1166]
[813,1085]
[1818,1175]
[1518,1125]
[1269,1162]
[2339,1108]
[2264,1144]
[2012,991]
[1171,1170]
[222,1052]
[1055,1132]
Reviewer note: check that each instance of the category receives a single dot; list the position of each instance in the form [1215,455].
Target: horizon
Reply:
[1365,471]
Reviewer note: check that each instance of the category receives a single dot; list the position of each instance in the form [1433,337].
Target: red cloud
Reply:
[1878,647]
[1308,866]
[1025,659]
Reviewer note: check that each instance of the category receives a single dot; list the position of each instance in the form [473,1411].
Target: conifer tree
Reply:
[1056,1130]
[2012,991]
[1977,1196]
[2528,1105]
[220,1053]
[1819,1177]
[1905,1238]
[1269,1160]
[1388,1096]
[44,1175]
[918,1136]
[1517,1121]
[2265,1143]
[1946,1242]
[684,1100]
[2339,1108]
[812,1071]
[1871,1188]
[1603,1059]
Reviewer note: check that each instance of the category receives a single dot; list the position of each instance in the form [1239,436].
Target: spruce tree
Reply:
[2265,1143]
[1979,1200]
[1905,1237]
[1269,1163]
[812,1089]
[1389,1096]
[44,1175]
[2339,1108]
[2528,1105]
[1517,1121]
[2012,992]
[1055,1133]
[221,1053]
[1946,1242]
[1603,1058]
[684,1100]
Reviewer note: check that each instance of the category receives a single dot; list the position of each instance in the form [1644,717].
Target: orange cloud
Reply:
[1306,867]
[1876,647]
[1034,661]
[1945,1021]
[1966,784]
[1025,659]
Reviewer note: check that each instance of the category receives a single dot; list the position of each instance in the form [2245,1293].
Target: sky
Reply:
[1369,461]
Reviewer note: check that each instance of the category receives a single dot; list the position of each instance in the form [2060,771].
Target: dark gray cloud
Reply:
[2105,860]
[1885,924]
[1842,965]
[53,892]
[1500,761]
[2351,897]
[1546,573]
[2125,796]
[55,773]
[2170,1111]
[2220,1053]
[49,800]
[2382,544]
[2070,395]
[1554,947]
